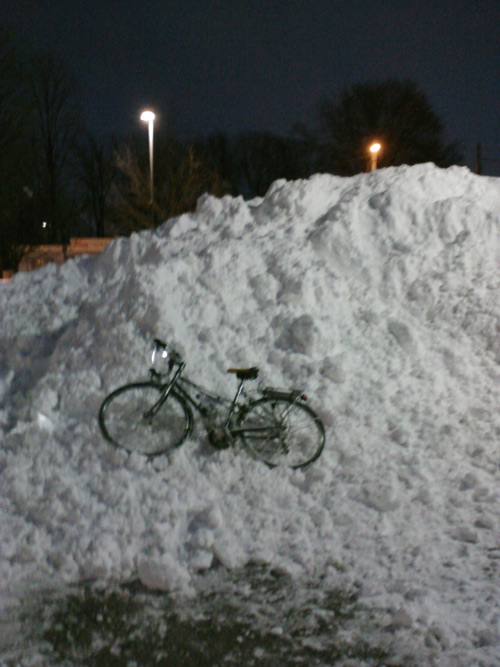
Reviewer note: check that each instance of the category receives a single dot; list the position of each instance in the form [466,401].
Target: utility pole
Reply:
[479,166]
[149,117]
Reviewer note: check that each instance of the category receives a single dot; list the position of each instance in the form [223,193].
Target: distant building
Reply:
[44,254]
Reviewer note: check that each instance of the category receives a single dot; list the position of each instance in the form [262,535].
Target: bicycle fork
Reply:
[149,414]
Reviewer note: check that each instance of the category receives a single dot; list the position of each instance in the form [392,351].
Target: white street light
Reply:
[149,118]
[374,149]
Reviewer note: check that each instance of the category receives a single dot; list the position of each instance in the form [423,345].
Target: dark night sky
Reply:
[236,65]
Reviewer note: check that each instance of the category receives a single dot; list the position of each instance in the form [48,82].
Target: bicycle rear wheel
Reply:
[125,423]
[279,431]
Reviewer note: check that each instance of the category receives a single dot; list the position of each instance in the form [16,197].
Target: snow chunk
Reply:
[164,574]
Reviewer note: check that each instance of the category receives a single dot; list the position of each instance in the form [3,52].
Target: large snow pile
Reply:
[377,294]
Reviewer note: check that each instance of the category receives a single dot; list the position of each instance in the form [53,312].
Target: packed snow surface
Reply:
[379,296]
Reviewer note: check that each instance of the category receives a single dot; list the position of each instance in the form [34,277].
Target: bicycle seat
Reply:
[245,373]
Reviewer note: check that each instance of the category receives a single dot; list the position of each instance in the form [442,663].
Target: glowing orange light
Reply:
[374,149]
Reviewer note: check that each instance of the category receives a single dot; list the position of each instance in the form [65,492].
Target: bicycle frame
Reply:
[177,381]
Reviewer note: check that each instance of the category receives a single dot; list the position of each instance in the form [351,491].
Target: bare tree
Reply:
[187,181]
[217,154]
[10,91]
[57,123]
[263,157]
[97,171]
[130,193]
[16,165]
[181,177]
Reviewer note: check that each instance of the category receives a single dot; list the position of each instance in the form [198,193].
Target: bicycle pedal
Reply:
[219,439]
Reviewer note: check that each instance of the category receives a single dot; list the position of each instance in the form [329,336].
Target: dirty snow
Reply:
[379,295]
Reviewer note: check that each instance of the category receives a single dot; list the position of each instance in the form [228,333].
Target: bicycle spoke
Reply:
[127,420]
[282,432]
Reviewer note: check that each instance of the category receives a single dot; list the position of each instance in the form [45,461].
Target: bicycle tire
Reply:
[295,434]
[123,422]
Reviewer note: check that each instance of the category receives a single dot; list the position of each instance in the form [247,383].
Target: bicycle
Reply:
[156,416]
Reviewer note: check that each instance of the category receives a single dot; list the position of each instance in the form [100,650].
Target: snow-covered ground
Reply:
[377,294]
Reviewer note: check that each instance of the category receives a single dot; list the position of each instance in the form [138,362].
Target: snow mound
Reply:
[377,294]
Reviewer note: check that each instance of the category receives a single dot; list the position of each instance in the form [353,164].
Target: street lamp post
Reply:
[374,149]
[149,118]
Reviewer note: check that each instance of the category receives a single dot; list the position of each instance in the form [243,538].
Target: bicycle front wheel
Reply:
[125,422]
[279,431]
